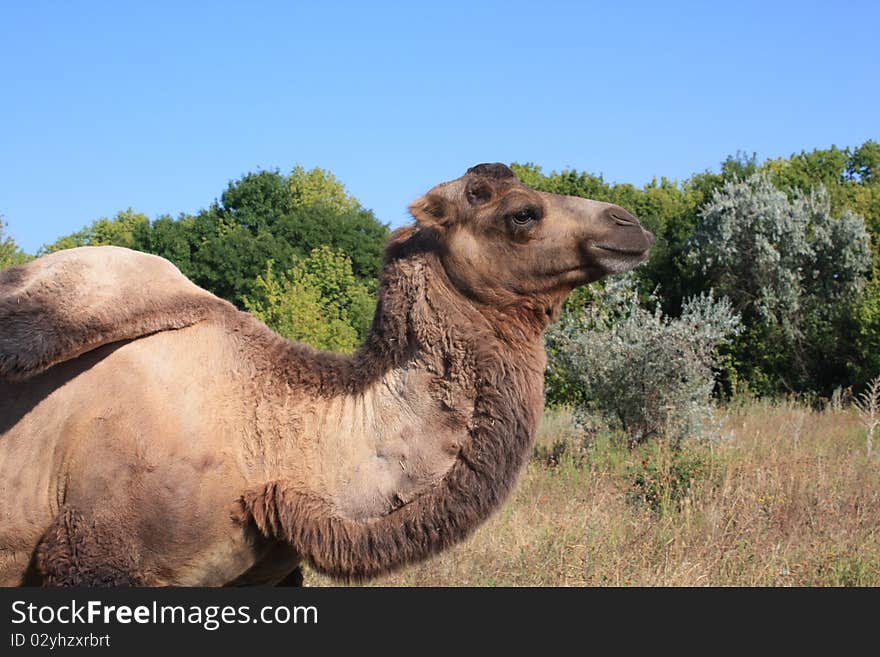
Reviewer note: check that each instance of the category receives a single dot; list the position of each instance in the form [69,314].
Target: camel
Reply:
[153,435]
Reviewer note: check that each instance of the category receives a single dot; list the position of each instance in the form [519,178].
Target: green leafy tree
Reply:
[319,187]
[255,201]
[260,217]
[267,216]
[849,176]
[128,228]
[807,170]
[173,239]
[226,257]
[868,327]
[863,164]
[739,166]
[318,301]
[355,232]
[10,254]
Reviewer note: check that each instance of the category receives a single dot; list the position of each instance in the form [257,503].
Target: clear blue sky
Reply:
[158,105]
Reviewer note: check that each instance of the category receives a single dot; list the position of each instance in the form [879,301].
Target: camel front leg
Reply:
[76,551]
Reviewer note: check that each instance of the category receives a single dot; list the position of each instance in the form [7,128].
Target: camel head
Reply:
[502,242]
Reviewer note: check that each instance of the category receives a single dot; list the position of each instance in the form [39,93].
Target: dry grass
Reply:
[788,498]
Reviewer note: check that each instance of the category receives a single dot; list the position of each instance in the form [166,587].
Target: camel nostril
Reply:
[623,218]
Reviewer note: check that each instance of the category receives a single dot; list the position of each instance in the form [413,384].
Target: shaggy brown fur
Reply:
[75,552]
[507,388]
[218,452]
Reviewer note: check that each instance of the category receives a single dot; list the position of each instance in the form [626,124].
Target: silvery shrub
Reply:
[776,257]
[639,370]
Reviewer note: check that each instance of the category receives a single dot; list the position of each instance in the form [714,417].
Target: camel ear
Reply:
[478,191]
[431,211]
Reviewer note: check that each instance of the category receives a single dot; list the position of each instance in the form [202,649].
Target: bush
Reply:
[644,372]
[665,474]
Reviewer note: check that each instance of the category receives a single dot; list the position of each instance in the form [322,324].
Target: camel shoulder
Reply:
[67,303]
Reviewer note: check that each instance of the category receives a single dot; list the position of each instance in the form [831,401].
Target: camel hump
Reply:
[69,302]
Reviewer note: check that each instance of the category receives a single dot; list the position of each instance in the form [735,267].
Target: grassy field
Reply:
[788,497]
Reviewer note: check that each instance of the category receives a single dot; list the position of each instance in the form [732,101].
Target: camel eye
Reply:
[524,216]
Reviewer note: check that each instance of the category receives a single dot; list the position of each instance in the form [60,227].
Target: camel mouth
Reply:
[616,259]
[619,251]
[608,260]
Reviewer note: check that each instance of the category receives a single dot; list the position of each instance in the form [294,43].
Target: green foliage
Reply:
[356,232]
[739,166]
[560,388]
[864,163]
[128,228]
[318,301]
[665,473]
[172,239]
[644,372]
[10,254]
[260,217]
[867,316]
[807,170]
[319,187]
[850,177]
[226,257]
[267,216]
[255,201]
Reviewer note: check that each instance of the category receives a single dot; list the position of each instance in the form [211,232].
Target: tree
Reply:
[228,257]
[793,272]
[849,176]
[173,239]
[739,166]
[262,216]
[10,254]
[127,229]
[267,216]
[255,201]
[356,232]
[864,163]
[318,301]
[319,187]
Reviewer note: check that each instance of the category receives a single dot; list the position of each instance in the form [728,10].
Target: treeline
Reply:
[792,243]
[297,250]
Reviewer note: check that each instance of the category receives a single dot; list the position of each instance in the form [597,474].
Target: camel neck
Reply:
[420,310]
[388,519]
[419,316]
